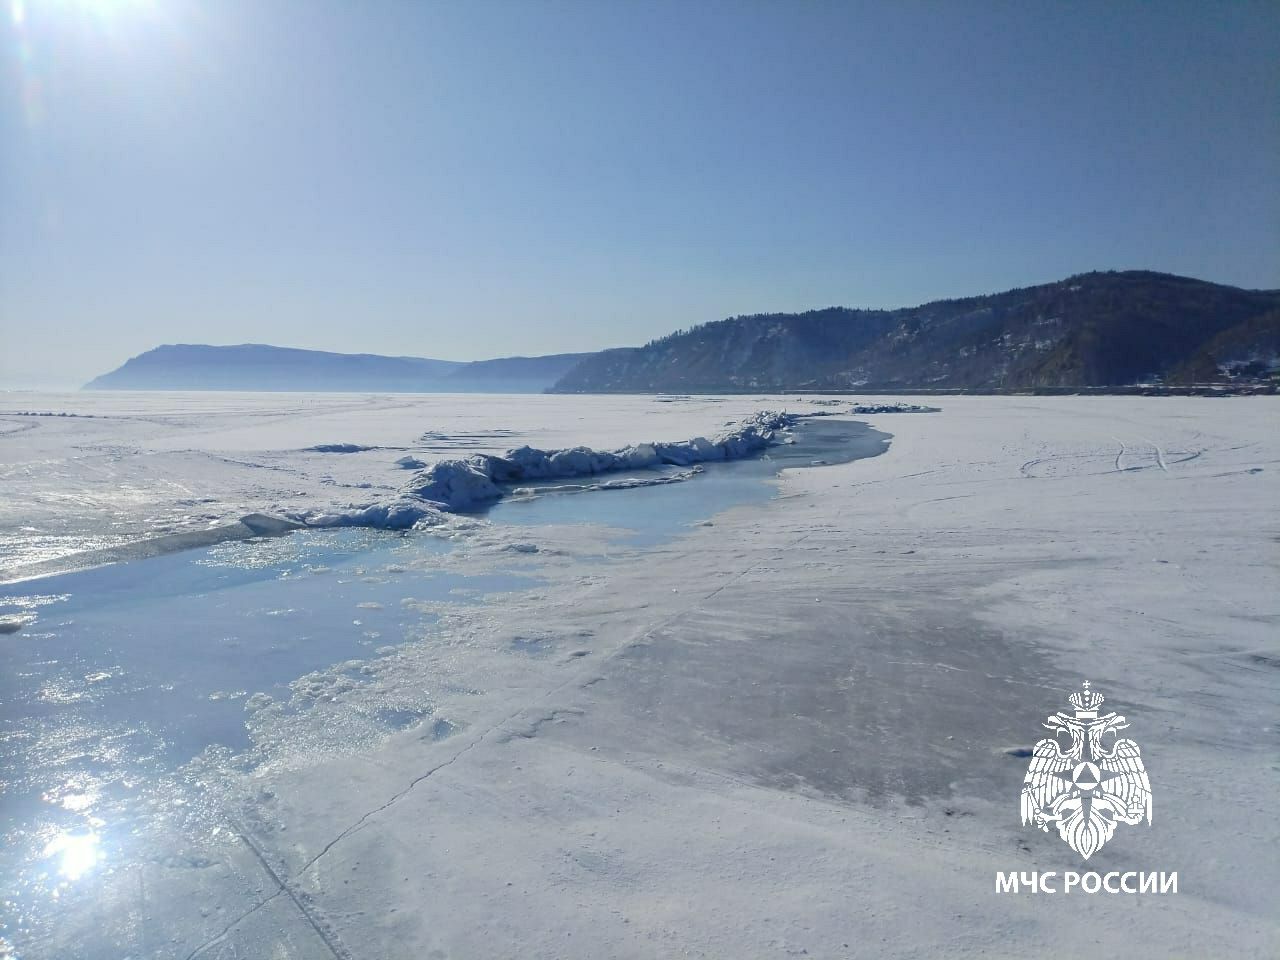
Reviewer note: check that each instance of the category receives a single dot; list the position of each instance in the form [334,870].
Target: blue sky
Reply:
[474,179]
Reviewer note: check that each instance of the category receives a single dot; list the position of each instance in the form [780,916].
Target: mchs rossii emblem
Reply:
[1090,787]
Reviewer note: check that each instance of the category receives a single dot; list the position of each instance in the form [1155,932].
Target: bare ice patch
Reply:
[218,653]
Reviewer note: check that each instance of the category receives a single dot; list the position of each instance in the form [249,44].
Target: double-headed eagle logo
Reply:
[1087,789]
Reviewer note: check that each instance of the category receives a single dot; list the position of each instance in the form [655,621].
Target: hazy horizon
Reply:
[466,182]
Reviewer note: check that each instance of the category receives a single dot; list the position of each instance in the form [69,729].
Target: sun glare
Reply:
[97,8]
[76,853]
[23,14]
[44,34]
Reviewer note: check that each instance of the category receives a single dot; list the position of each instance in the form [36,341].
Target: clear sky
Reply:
[474,179]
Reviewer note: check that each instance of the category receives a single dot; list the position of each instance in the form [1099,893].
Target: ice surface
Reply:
[96,472]
[792,732]
[635,513]
[129,671]
[454,485]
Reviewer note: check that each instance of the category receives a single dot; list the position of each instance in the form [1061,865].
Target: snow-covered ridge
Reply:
[466,483]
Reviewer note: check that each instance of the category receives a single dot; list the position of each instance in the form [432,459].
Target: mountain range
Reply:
[257,366]
[1094,330]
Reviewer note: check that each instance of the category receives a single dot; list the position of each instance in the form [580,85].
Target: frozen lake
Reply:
[778,732]
[122,674]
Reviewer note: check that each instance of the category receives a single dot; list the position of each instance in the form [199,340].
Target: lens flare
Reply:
[44,35]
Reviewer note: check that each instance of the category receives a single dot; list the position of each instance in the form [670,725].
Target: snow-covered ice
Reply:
[97,472]
[470,482]
[792,732]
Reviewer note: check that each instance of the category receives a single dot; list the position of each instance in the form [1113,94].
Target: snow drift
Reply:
[463,484]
